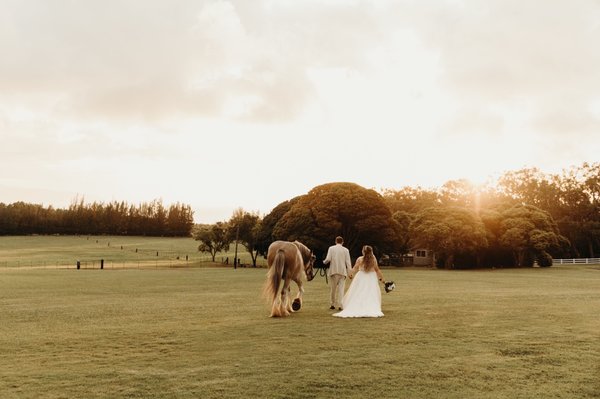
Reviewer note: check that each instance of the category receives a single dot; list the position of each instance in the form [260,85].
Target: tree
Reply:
[496,255]
[358,214]
[579,218]
[449,231]
[571,199]
[403,220]
[245,227]
[410,200]
[530,233]
[459,193]
[180,219]
[531,187]
[97,218]
[213,238]
[264,236]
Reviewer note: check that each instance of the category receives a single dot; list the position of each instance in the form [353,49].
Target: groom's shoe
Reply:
[332,307]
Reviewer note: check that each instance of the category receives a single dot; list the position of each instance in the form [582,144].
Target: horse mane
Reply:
[304,251]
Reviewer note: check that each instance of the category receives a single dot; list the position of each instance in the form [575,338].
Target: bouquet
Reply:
[389,286]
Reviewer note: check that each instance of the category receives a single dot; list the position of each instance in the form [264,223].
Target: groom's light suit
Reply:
[338,258]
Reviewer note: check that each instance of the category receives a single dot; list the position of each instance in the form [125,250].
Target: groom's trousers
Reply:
[338,282]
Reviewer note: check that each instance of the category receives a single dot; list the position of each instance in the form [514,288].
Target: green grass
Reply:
[204,333]
[117,251]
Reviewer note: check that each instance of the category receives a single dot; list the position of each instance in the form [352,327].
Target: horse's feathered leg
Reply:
[288,296]
[275,280]
[297,304]
[285,298]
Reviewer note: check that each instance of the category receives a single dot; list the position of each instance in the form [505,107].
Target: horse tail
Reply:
[275,275]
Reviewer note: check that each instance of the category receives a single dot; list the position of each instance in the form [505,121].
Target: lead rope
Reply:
[323,273]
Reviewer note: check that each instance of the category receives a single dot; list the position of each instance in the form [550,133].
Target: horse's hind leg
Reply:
[279,305]
[286,308]
[276,308]
[290,306]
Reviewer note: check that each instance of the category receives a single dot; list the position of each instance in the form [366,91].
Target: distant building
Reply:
[422,257]
[416,257]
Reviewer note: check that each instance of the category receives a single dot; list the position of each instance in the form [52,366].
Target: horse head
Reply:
[308,258]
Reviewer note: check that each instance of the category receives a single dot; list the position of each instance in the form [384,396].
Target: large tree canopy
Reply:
[449,231]
[265,233]
[403,221]
[572,199]
[530,233]
[410,200]
[358,214]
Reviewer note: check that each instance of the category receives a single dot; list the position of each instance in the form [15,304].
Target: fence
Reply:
[182,262]
[103,264]
[577,261]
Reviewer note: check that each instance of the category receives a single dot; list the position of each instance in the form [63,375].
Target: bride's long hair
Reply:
[369,260]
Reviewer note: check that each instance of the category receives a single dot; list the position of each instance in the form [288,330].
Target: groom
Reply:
[338,258]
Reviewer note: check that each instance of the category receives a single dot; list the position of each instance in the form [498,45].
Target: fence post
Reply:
[78,265]
[101,264]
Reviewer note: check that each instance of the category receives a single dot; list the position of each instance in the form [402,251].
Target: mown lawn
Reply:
[204,333]
[116,251]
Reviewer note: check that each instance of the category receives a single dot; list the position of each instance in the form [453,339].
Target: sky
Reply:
[245,104]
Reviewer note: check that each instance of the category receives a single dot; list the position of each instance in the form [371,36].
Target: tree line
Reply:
[114,218]
[524,217]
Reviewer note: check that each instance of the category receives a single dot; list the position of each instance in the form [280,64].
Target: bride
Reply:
[363,298]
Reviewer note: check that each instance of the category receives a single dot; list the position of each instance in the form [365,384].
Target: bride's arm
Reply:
[378,271]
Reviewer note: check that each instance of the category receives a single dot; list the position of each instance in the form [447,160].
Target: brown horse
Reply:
[288,261]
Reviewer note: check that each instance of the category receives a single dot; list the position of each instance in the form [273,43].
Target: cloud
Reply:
[509,54]
[127,60]
[406,91]
[252,61]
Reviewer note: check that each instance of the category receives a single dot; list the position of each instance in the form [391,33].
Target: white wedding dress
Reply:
[363,298]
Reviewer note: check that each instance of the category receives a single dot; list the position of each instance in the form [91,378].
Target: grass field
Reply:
[204,333]
[116,251]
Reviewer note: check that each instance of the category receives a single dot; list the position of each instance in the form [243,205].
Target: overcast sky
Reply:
[228,104]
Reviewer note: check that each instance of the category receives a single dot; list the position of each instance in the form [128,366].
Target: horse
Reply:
[288,261]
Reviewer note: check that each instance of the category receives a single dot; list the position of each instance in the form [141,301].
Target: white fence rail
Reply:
[576,261]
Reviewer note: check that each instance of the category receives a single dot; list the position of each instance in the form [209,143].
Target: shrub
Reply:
[544,259]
